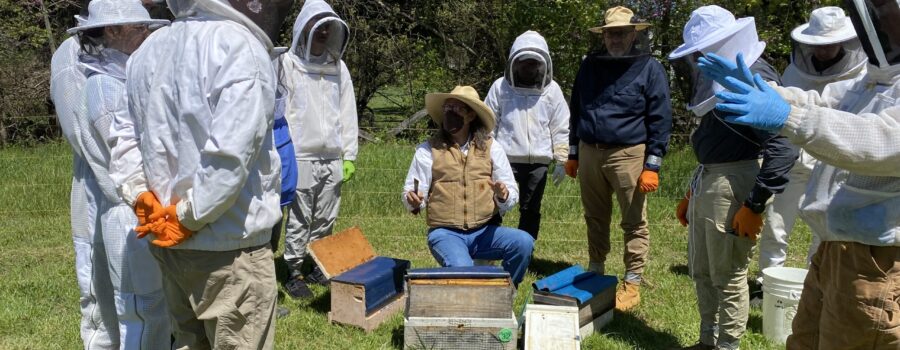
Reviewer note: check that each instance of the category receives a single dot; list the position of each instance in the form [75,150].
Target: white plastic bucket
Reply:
[782,287]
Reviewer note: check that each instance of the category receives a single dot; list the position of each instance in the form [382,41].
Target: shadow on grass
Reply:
[320,303]
[632,330]
[543,267]
[397,337]
[679,270]
[754,323]
[281,270]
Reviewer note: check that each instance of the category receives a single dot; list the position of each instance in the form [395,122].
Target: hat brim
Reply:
[152,23]
[637,26]
[846,34]
[685,49]
[434,104]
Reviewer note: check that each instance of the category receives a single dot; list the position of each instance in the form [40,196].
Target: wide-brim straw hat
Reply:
[434,104]
[827,25]
[618,17]
[107,13]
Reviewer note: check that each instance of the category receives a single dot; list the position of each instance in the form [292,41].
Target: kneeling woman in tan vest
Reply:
[464,181]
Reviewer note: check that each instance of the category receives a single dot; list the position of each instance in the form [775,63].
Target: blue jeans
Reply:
[453,247]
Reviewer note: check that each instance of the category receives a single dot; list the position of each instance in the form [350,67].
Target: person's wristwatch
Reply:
[757,208]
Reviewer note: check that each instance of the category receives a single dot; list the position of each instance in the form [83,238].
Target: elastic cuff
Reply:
[792,126]
[130,193]
[651,167]
[573,152]
[759,195]
[185,212]
[561,153]
[653,161]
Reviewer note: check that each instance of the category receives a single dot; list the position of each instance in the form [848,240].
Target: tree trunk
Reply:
[3,134]
[50,39]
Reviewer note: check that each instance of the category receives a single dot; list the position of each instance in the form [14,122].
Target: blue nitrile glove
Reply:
[349,170]
[718,68]
[758,106]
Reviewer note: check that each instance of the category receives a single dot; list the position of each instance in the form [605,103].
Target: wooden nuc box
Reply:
[365,289]
[460,308]
[594,295]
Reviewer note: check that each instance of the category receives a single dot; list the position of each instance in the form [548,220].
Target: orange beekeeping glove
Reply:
[165,226]
[682,210]
[649,181]
[145,205]
[747,223]
[572,168]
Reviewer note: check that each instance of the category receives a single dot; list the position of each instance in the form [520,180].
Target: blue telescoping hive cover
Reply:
[575,282]
[381,277]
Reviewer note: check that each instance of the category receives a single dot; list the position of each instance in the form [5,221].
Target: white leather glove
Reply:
[559,174]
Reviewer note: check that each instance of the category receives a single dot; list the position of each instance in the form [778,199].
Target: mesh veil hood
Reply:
[533,43]
[312,9]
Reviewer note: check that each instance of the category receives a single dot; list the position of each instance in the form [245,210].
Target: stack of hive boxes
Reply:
[460,308]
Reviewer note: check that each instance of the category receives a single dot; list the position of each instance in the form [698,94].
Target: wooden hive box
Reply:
[460,308]
[365,289]
[594,295]
[477,291]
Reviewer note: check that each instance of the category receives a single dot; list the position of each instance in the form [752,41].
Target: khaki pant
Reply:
[717,258]
[850,299]
[220,300]
[604,171]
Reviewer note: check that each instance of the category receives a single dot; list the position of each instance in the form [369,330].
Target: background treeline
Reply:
[399,50]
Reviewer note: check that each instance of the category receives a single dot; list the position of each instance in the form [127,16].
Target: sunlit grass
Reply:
[39,297]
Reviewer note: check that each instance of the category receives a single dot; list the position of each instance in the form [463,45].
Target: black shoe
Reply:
[297,289]
[317,277]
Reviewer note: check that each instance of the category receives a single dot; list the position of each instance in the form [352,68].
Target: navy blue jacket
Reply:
[621,101]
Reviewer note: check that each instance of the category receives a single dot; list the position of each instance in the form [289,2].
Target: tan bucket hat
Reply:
[619,16]
[434,104]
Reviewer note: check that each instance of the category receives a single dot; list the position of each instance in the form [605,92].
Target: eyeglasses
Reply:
[456,107]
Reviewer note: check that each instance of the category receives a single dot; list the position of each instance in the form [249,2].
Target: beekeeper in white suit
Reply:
[112,31]
[321,113]
[826,50]
[850,295]
[532,123]
[202,93]
[99,328]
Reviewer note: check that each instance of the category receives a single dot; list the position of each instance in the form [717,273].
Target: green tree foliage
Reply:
[422,46]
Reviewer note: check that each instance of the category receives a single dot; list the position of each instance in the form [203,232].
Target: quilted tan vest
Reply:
[460,195]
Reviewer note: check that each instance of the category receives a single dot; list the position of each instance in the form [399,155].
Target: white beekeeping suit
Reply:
[99,328]
[202,95]
[827,26]
[143,321]
[205,167]
[854,125]
[532,122]
[321,113]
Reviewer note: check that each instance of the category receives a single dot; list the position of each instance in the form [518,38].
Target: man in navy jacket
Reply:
[620,125]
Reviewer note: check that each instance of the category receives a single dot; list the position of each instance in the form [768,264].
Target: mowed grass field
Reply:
[39,306]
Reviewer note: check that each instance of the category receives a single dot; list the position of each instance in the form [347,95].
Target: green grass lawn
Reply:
[39,306]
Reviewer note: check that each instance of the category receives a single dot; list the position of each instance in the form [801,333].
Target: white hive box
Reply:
[549,327]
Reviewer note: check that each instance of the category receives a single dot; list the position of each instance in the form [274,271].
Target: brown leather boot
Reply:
[628,296]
